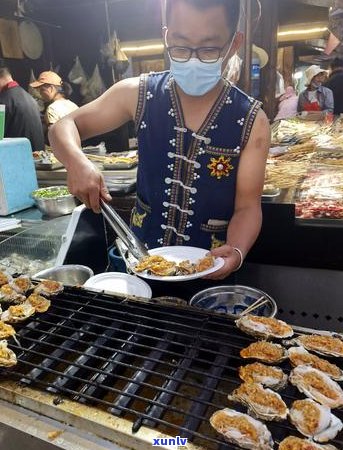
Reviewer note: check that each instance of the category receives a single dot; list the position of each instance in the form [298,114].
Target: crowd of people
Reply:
[323,93]
[22,115]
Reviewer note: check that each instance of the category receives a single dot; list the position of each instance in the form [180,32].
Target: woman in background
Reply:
[288,104]
[316,98]
[54,93]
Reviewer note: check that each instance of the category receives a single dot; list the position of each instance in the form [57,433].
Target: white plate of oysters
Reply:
[177,263]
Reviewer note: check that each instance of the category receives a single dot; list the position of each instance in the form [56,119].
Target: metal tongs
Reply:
[131,241]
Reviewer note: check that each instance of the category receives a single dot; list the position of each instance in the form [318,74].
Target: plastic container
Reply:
[233,300]
[255,77]
[117,263]
[2,121]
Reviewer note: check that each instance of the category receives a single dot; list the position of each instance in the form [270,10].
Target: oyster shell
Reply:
[186,268]
[22,284]
[7,356]
[4,278]
[9,295]
[18,313]
[295,443]
[40,304]
[264,327]
[265,351]
[268,376]
[299,356]
[314,420]
[317,385]
[262,403]
[324,345]
[242,430]
[6,330]
[48,288]
[204,264]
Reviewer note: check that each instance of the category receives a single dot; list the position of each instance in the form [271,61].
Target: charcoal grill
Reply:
[140,368]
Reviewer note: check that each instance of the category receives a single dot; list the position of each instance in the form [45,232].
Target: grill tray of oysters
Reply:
[19,300]
[262,382]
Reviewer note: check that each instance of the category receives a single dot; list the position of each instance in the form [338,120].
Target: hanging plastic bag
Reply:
[233,69]
[94,87]
[122,62]
[77,75]
[35,92]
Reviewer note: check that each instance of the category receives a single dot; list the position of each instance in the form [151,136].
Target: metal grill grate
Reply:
[159,366]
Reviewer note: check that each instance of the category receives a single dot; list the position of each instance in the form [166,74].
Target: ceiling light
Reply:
[302,31]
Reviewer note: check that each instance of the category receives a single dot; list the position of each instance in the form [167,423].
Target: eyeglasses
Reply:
[207,55]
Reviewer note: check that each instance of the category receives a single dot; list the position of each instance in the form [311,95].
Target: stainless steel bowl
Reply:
[69,275]
[233,300]
[56,206]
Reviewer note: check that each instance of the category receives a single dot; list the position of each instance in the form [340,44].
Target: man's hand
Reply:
[87,183]
[232,261]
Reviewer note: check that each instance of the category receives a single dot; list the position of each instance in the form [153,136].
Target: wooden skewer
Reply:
[259,302]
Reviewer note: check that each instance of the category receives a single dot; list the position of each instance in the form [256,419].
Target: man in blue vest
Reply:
[203,143]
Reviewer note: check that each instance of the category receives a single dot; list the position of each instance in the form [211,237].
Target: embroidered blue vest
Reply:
[186,182]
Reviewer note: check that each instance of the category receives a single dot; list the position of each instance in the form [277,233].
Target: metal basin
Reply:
[233,300]
[55,206]
[69,275]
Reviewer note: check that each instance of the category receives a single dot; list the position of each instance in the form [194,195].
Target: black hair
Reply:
[336,63]
[5,72]
[232,8]
[65,89]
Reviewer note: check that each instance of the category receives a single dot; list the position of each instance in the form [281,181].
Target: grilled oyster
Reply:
[295,443]
[299,356]
[242,430]
[314,420]
[265,351]
[4,278]
[157,265]
[324,345]
[18,313]
[40,304]
[48,288]
[9,295]
[204,264]
[317,385]
[262,403]
[22,284]
[186,268]
[264,327]
[6,330]
[7,356]
[268,376]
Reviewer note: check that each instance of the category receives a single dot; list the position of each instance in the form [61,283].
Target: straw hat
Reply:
[311,72]
[48,77]
[261,54]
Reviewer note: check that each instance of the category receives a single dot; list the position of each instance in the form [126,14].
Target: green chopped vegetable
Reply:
[51,193]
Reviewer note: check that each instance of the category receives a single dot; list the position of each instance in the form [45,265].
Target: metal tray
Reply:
[120,166]
[48,166]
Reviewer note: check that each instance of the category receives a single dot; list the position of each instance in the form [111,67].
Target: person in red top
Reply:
[316,98]
[22,118]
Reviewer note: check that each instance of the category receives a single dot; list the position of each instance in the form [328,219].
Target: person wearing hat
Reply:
[316,97]
[22,114]
[54,93]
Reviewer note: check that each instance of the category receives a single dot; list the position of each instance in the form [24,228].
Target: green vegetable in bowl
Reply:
[51,193]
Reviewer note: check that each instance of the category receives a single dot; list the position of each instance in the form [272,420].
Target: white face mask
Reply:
[195,77]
